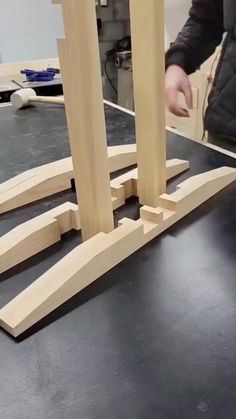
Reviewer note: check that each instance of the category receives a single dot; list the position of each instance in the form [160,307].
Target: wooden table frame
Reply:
[105,246]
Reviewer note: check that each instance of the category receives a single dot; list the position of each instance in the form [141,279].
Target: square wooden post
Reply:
[82,84]
[147,30]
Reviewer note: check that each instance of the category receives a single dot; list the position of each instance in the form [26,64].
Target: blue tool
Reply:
[40,76]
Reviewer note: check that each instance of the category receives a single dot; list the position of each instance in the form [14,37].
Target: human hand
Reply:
[177,81]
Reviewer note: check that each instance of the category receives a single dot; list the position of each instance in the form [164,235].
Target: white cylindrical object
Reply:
[21,97]
[53,100]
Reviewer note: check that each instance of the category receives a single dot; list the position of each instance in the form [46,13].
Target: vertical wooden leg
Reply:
[147,29]
[81,74]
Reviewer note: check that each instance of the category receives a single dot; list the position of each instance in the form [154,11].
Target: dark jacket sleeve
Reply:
[199,37]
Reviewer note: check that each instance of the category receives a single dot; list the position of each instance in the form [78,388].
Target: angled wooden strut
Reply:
[102,252]
[37,234]
[51,178]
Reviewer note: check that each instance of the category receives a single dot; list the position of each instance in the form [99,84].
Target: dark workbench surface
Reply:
[155,338]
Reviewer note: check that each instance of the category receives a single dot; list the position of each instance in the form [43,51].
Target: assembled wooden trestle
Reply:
[103,245]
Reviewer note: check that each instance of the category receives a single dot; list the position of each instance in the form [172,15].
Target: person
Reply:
[202,33]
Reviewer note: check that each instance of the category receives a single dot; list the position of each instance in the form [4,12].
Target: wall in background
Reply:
[115,25]
[29,29]
[176,16]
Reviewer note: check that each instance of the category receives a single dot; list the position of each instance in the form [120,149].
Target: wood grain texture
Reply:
[51,178]
[35,184]
[37,234]
[73,273]
[103,251]
[127,184]
[148,57]
[47,99]
[82,85]
[96,256]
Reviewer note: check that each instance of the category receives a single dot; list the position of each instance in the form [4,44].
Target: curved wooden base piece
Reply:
[51,178]
[35,235]
[96,256]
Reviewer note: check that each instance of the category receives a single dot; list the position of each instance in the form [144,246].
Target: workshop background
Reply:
[42,23]
[153,338]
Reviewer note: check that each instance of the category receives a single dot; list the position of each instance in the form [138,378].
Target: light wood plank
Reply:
[36,184]
[62,281]
[99,254]
[82,85]
[36,235]
[49,179]
[8,70]
[147,30]
[53,100]
[175,166]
